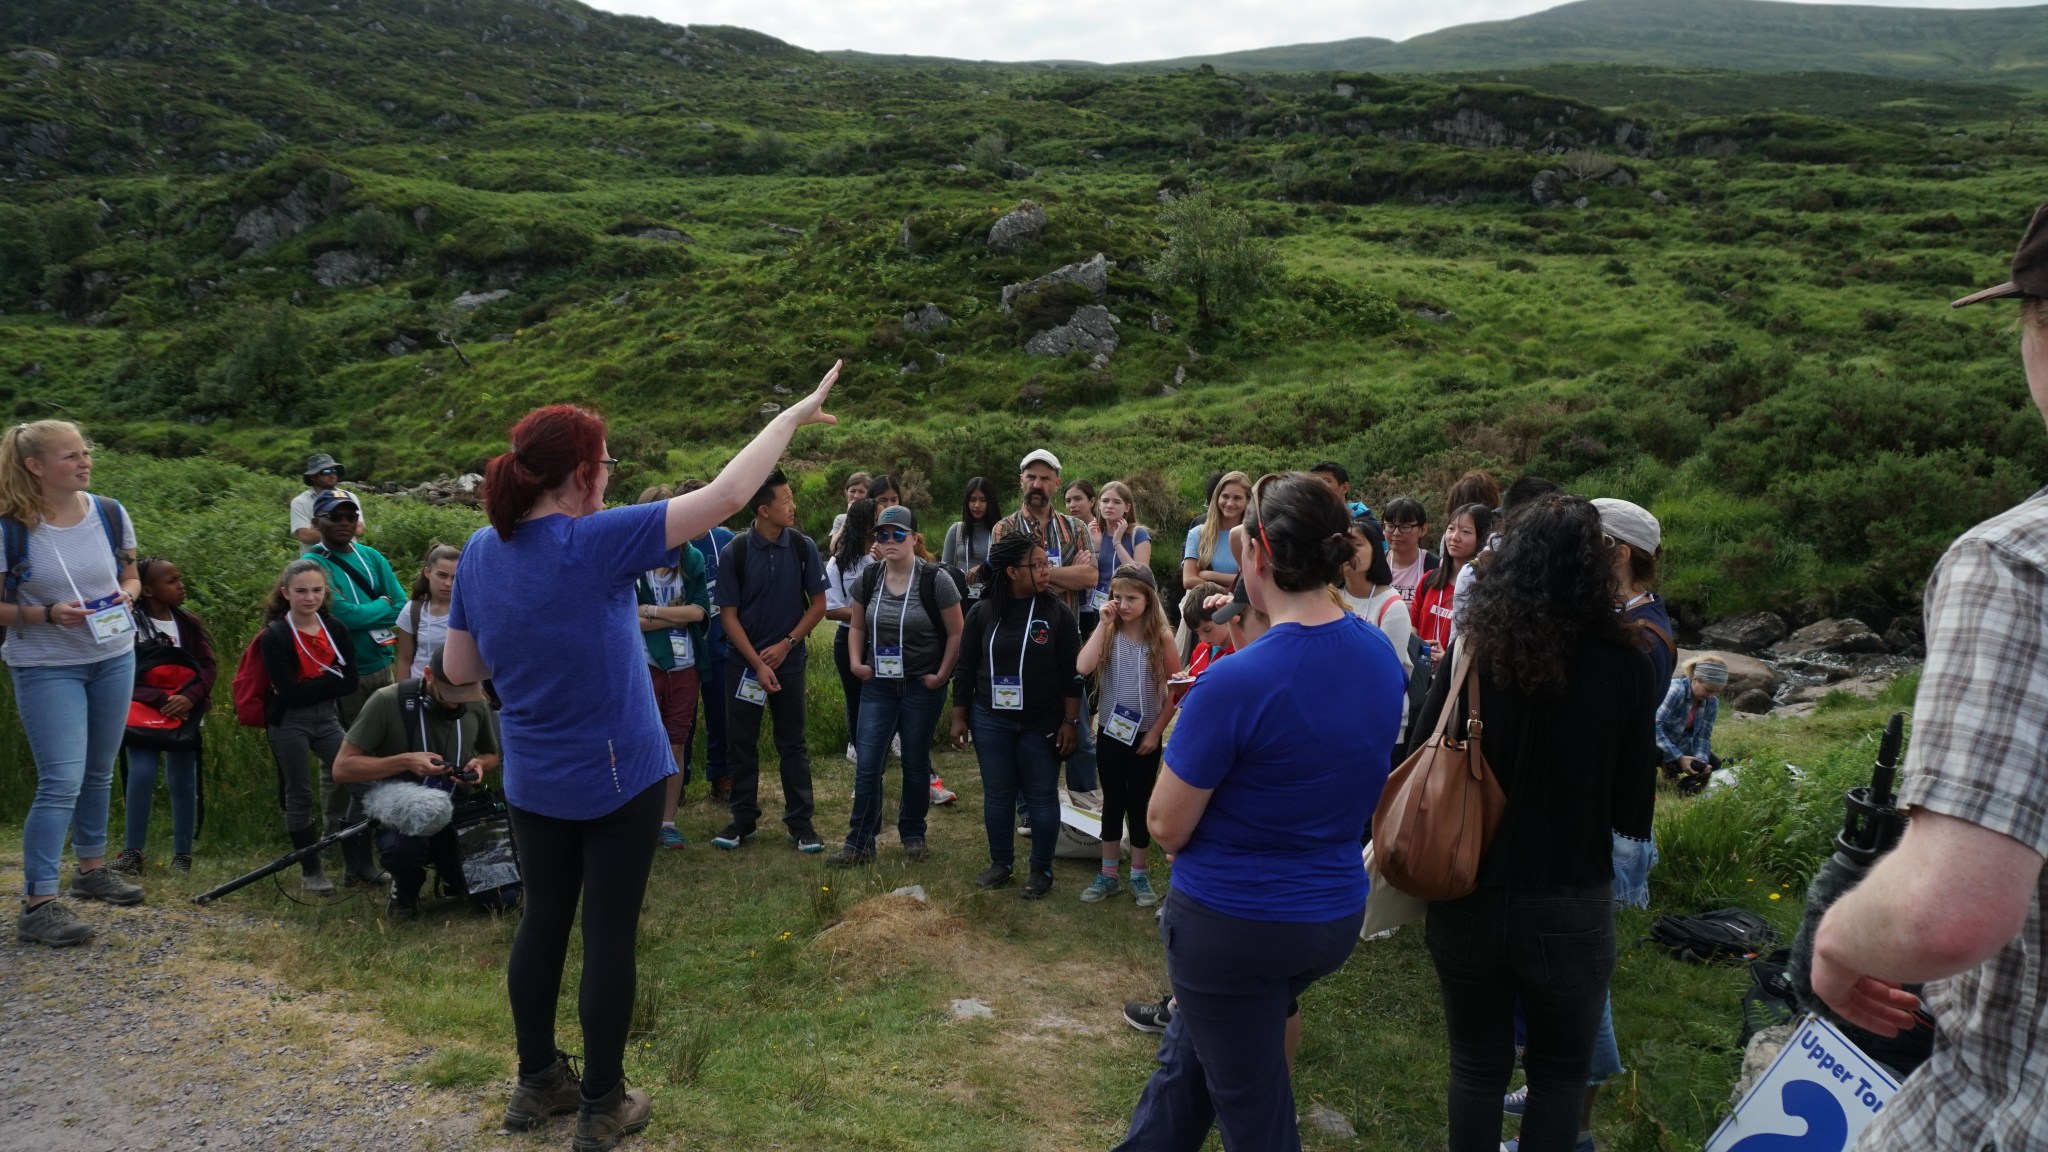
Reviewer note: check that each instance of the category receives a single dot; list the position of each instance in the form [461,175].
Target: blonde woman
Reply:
[1207,555]
[1133,647]
[1115,536]
[69,563]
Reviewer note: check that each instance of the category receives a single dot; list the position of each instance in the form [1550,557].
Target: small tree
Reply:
[988,152]
[1210,251]
[267,371]
[450,323]
[767,150]
[1587,165]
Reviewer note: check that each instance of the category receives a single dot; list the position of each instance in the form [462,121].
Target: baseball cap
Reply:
[451,691]
[330,500]
[2029,266]
[1630,524]
[1240,599]
[1040,456]
[320,462]
[896,515]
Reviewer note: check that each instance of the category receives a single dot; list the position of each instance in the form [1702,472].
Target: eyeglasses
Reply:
[611,465]
[891,535]
[1404,527]
[1040,566]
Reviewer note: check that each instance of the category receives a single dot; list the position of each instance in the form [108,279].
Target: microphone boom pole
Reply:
[283,862]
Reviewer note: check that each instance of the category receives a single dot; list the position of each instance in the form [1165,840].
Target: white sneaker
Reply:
[896,746]
[942,794]
[852,755]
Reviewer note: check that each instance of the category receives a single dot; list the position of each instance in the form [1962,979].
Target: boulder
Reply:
[919,321]
[344,268]
[1755,701]
[1865,686]
[1659,197]
[315,198]
[1092,274]
[1017,228]
[1744,672]
[1906,637]
[471,301]
[1547,188]
[1841,636]
[1621,178]
[1752,632]
[1091,329]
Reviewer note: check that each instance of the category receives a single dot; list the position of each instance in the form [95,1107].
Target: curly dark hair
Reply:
[1012,551]
[1550,586]
[855,535]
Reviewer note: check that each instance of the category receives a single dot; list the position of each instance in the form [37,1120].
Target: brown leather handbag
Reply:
[1442,806]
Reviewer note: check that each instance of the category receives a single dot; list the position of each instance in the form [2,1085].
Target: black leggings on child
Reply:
[1127,780]
[605,861]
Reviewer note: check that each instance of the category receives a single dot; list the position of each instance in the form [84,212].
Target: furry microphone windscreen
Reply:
[409,809]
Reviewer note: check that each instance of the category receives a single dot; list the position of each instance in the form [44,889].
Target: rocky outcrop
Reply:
[471,301]
[267,225]
[1547,188]
[1091,329]
[1841,637]
[1092,274]
[446,490]
[1752,632]
[345,268]
[920,321]
[1017,228]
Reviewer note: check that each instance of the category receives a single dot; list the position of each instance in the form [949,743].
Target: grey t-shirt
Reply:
[82,551]
[893,620]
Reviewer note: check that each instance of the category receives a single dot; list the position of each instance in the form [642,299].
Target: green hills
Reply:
[244,231]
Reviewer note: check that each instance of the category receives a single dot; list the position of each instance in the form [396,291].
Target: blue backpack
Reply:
[14,545]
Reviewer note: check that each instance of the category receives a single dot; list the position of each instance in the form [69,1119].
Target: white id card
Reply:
[679,647]
[384,636]
[1006,693]
[1121,725]
[751,690]
[109,618]
[1052,556]
[888,663]
[1096,600]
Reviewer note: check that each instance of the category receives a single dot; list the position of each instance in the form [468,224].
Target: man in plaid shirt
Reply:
[1959,904]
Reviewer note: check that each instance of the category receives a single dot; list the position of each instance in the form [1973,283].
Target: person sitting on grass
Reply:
[432,731]
[1685,723]
[1133,648]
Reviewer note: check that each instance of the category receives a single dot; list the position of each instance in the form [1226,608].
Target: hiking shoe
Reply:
[849,857]
[914,849]
[128,863]
[1146,1016]
[942,794]
[670,838]
[731,836]
[182,862]
[1515,1101]
[102,884]
[807,843]
[993,876]
[621,1112]
[1101,889]
[51,923]
[1141,891]
[553,1091]
[1036,886]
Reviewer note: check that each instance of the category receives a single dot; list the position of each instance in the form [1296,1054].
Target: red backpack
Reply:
[252,687]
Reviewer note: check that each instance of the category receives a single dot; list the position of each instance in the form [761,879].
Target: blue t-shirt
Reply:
[554,614]
[1294,734]
[1222,562]
[1106,560]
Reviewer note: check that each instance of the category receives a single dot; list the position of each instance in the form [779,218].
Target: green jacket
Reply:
[695,591]
[363,609]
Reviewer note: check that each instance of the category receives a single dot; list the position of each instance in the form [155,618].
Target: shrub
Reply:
[1210,251]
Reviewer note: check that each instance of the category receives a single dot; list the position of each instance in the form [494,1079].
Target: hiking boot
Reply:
[555,1090]
[1103,887]
[942,794]
[621,1112]
[1036,886]
[128,863]
[401,911]
[1513,1103]
[102,884]
[1141,891]
[914,849]
[182,862]
[807,842]
[849,857]
[721,790]
[731,836]
[993,876]
[51,923]
[670,838]
[1148,1017]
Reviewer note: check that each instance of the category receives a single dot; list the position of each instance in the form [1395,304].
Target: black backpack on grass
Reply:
[1771,999]
[1727,935]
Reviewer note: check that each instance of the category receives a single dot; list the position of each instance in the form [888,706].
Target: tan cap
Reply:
[2029,267]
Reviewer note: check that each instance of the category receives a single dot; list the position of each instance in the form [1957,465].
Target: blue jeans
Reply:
[75,716]
[181,779]
[1222,1062]
[888,707]
[1082,773]
[1016,758]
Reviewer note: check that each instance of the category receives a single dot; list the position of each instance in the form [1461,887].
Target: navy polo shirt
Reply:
[771,588]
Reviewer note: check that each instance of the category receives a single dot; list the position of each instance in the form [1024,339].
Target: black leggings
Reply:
[1127,780]
[606,862]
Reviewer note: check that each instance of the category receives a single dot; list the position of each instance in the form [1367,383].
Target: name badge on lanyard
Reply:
[1097,599]
[384,636]
[1006,693]
[889,658]
[109,618]
[679,647]
[750,689]
[888,662]
[1121,725]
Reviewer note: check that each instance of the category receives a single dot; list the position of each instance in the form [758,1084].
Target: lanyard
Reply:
[335,667]
[429,748]
[59,554]
[1023,640]
[875,609]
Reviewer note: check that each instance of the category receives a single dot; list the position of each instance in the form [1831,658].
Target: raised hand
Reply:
[811,409]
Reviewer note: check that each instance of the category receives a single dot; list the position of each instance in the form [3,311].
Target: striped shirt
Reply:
[1980,737]
[1130,681]
[66,566]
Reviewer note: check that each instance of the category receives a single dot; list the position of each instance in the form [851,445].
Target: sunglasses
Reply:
[611,465]
[328,472]
[891,535]
[344,516]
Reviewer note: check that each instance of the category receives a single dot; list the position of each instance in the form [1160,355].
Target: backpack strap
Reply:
[1381,620]
[14,543]
[111,517]
[928,592]
[409,712]
[1663,638]
[415,619]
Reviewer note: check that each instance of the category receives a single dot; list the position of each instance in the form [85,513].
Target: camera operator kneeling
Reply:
[436,734]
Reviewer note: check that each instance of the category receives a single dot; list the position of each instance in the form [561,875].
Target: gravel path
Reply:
[139,1041]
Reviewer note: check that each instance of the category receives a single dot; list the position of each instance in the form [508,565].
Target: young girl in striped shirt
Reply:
[1133,647]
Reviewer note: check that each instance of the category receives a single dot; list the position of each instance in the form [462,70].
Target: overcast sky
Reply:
[1108,31]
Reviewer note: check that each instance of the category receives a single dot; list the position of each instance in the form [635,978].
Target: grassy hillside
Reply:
[242,232]
[2001,45]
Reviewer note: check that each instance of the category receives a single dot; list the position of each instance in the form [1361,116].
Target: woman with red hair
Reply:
[544,606]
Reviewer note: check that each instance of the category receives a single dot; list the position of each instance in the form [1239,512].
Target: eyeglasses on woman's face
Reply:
[611,465]
[1393,528]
